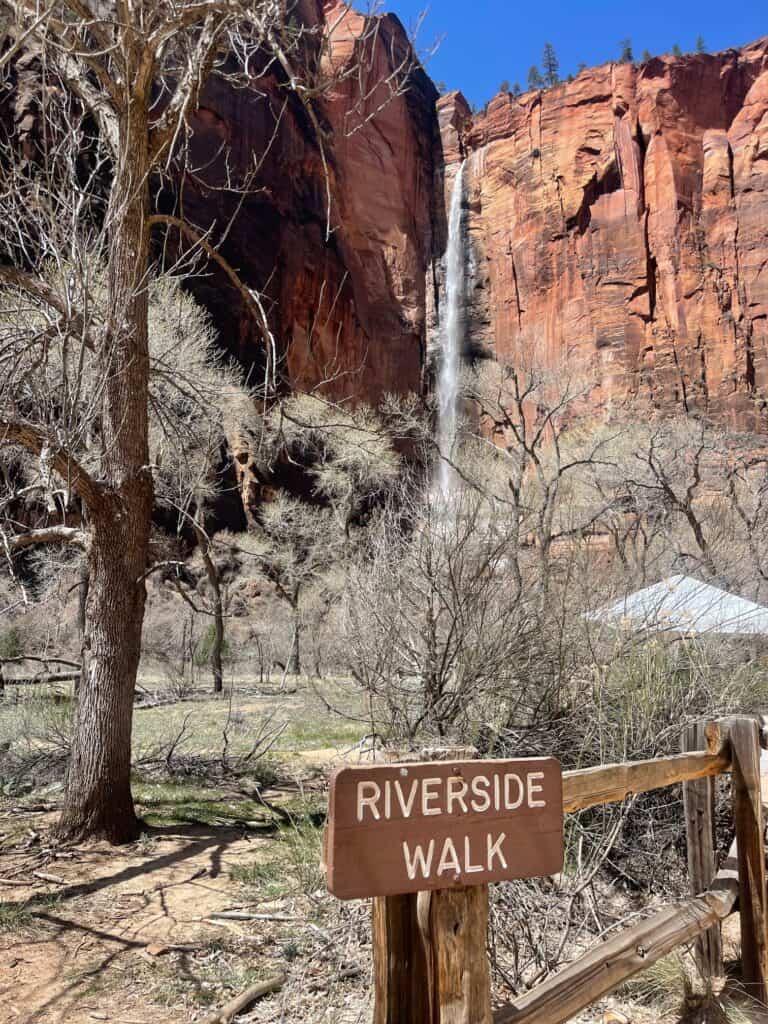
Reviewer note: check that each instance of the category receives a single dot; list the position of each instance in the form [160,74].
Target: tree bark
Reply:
[98,800]
[218,643]
[212,572]
[83,585]
[294,659]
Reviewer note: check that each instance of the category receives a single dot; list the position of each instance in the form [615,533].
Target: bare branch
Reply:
[35,441]
[50,535]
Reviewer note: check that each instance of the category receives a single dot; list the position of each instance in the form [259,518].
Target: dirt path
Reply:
[83,957]
[122,937]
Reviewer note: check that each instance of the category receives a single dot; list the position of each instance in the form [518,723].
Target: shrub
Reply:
[10,643]
[204,646]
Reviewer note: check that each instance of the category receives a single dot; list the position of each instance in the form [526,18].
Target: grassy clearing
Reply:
[177,801]
[308,724]
[35,724]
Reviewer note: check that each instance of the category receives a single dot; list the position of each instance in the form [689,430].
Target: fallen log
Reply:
[42,677]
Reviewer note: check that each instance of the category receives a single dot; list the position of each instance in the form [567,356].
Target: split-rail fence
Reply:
[430,965]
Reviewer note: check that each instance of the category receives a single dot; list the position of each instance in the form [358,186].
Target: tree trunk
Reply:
[294,659]
[83,585]
[218,645]
[98,801]
[212,572]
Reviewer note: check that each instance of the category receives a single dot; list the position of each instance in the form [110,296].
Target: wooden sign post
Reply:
[429,837]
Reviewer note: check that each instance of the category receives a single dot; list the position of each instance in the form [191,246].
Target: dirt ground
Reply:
[94,934]
[124,937]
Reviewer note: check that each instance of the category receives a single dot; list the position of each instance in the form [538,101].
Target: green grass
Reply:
[171,802]
[316,733]
[308,723]
[267,878]
[18,916]
[15,916]
[209,977]
[293,867]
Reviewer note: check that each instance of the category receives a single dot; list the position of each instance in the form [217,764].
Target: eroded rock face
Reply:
[619,229]
[345,305]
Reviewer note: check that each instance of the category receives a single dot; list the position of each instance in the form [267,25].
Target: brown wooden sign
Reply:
[401,828]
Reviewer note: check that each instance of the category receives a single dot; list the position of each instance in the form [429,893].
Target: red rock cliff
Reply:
[345,307]
[620,223]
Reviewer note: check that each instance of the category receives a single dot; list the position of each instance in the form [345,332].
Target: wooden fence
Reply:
[428,967]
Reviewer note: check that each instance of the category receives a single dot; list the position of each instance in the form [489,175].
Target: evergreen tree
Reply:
[676,51]
[646,56]
[550,65]
[504,87]
[516,90]
[627,56]
[582,67]
[535,81]
[701,46]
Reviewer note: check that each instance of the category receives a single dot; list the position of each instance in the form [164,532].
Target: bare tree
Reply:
[544,462]
[435,629]
[350,460]
[110,88]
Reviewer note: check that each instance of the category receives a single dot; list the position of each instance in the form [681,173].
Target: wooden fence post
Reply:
[400,966]
[429,949]
[748,814]
[458,930]
[699,801]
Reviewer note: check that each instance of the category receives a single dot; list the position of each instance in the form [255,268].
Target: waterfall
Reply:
[451,334]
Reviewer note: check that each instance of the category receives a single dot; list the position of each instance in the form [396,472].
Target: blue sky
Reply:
[488,41]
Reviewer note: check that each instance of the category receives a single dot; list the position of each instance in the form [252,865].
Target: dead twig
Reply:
[250,995]
[46,877]
[240,915]
[346,972]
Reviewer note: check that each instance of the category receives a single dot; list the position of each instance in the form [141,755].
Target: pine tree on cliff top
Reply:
[535,81]
[701,46]
[550,64]
[627,57]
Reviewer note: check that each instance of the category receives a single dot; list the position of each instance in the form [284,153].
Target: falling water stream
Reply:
[451,335]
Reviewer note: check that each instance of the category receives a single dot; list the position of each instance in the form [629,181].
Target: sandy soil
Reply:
[123,935]
[114,910]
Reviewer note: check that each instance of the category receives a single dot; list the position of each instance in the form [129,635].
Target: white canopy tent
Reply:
[680,604]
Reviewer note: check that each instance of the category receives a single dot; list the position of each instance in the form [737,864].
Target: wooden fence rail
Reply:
[733,745]
[604,968]
[426,945]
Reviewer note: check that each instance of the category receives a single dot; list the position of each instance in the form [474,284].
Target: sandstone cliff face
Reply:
[345,307]
[618,226]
